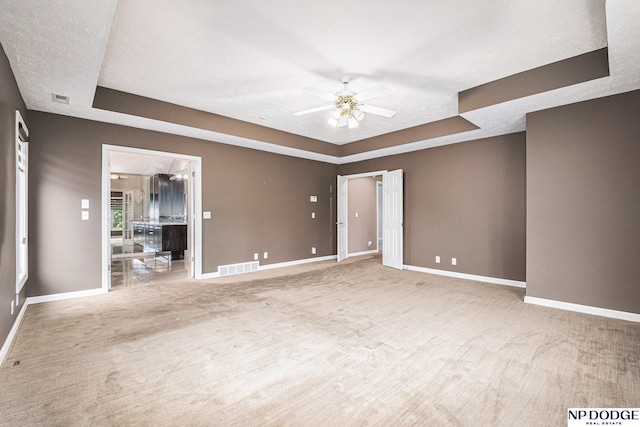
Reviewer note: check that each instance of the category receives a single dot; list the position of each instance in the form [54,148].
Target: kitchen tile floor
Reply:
[132,267]
[127,272]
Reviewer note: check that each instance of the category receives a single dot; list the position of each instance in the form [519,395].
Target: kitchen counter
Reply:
[159,223]
[161,237]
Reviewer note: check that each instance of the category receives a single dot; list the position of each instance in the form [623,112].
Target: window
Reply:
[22,174]
[116,211]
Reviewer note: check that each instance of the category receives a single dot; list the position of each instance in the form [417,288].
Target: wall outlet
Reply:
[13,307]
[256,257]
[454,261]
[437,259]
[313,250]
[313,214]
[265,255]
[313,199]
[356,214]
[370,243]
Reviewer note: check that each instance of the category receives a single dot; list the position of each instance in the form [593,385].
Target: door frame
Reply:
[379,216]
[345,208]
[194,201]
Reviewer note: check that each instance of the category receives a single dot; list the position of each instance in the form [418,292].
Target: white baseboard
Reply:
[297,262]
[277,265]
[597,311]
[66,295]
[13,332]
[374,251]
[494,280]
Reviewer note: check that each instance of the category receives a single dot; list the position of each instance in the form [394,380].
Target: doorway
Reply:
[389,226]
[134,181]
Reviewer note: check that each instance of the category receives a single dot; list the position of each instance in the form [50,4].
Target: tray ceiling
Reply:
[247,61]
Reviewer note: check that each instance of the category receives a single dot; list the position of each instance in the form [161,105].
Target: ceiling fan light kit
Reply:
[348,108]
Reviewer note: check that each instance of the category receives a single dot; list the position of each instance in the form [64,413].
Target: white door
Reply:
[392,221]
[342,218]
[379,214]
[127,218]
[191,218]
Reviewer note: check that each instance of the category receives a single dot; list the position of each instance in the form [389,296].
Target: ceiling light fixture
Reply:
[346,110]
[178,177]
[347,107]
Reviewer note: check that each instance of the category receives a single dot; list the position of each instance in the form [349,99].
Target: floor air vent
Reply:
[243,267]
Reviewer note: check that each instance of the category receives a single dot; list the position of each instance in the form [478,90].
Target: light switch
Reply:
[85,203]
[313,199]
[85,215]
[356,214]
[313,214]
[206,215]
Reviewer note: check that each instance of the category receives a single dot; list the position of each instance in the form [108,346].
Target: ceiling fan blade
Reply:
[376,110]
[342,121]
[313,110]
[372,93]
[320,94]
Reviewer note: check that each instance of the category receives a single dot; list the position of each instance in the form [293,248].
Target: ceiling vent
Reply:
[62,99]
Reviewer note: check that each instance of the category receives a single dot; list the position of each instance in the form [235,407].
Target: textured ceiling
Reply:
[249,60]
[145,164]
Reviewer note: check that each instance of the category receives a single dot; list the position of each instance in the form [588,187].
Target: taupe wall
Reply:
[465,201]
[362,229]
[259,201]
[583,203]
[560,211]
[10,101]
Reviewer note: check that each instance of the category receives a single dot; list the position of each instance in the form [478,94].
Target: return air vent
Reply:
[243,267]
[62,99]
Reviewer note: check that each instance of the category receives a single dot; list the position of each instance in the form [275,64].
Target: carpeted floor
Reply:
[349,344]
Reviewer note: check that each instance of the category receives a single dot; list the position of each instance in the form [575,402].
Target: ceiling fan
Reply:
[348,106]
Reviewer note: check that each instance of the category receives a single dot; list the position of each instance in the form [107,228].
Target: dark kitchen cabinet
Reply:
[174,237]
[159,237]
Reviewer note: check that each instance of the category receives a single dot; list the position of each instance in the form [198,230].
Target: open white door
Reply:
[342,218]
[392,222]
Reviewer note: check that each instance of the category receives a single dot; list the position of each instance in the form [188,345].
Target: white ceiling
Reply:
[249,59]
[145,164]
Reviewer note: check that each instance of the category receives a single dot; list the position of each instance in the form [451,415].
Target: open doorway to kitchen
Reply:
[151,205]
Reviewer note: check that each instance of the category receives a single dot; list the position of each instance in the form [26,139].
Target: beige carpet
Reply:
[337,345]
